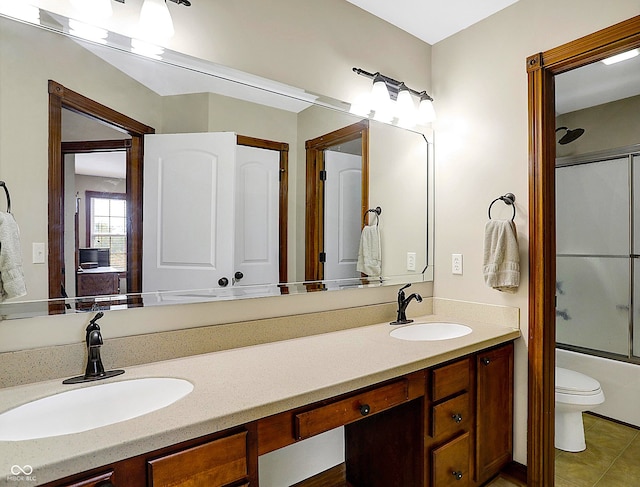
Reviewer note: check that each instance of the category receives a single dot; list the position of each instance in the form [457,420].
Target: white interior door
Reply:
[188,210]
[342,214]
[256,248]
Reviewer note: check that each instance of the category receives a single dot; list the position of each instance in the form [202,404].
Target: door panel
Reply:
[188,210]
[342,217]
[257,215]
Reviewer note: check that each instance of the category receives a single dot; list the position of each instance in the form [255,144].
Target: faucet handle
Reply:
[404,287]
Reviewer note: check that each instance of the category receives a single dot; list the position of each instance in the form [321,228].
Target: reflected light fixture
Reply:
[394,99]
[20,10]
[87,31]
[621,57]
[156,24]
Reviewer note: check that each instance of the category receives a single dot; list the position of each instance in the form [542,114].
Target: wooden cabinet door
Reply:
[494,411]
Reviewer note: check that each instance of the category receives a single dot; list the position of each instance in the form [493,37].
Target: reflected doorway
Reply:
[337,188]
[62,100]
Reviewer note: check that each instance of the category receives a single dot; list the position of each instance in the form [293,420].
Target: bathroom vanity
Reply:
[415,414]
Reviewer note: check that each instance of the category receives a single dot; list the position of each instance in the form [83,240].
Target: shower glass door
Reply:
[593,256]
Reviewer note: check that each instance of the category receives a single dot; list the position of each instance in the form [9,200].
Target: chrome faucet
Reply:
[403,302]
[94,369]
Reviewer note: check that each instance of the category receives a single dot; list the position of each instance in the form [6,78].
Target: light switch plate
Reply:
[38,252]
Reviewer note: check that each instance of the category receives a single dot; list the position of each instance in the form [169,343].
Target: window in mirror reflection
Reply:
[108,229]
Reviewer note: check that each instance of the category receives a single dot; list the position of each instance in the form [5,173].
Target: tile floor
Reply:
[610,460]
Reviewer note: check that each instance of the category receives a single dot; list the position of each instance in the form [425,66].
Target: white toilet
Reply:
[575,393]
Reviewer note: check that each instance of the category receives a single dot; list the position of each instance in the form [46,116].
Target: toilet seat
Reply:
[570,382]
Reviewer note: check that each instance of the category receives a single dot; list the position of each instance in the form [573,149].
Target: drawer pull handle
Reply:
[457,417]
[486,361]
[365,409]
[457,475]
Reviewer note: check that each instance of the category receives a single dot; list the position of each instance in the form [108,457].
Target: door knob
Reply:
[457,475]
[365,409]
[457,417]
[223,282]
[237,276]
[486,361]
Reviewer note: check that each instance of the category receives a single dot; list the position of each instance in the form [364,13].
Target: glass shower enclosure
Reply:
[598,254]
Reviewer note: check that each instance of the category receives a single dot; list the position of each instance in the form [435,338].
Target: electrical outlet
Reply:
[411,261]
[456,263]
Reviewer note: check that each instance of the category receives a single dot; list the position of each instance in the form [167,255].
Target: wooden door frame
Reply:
[59,98]
[541,70]
[314,214]
[283,149]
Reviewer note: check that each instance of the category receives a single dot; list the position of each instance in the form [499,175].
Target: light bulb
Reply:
[426,112]
[406,109]
[380,100]
[155,21]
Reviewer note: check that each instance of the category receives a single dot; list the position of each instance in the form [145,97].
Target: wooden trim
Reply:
[95,146]
[283,199]
[314,215]
[541,69]
[59,98]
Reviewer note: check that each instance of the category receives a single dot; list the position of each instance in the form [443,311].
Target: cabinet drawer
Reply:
[450,463]
[450,416]
[450,379]
[213,464]
[339,413]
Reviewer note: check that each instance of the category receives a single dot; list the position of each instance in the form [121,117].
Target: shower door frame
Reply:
[629,153]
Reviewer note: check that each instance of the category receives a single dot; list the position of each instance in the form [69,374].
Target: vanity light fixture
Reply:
[392,98]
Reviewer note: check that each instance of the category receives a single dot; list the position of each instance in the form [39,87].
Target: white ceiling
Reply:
[432,20]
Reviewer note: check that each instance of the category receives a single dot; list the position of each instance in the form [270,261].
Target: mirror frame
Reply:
[541,70]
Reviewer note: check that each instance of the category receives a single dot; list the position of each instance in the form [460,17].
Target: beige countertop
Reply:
[234,387]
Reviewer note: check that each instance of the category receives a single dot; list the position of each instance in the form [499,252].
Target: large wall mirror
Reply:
[174,180]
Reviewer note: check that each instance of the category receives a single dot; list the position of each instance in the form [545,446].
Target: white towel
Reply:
[501,266]
[369,255]
[11,275]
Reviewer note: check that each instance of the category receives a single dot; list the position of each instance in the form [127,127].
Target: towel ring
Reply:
[6,190]
[377,210]
[509,199]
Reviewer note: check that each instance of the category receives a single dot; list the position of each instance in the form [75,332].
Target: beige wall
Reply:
[480,88]
[607,126]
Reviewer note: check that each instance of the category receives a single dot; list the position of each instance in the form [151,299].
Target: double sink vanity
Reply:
[431,407]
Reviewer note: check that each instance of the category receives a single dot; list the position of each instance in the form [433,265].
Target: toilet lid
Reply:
[572,382]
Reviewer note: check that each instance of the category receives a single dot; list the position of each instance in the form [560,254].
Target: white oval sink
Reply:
[431,331]
[90,407]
